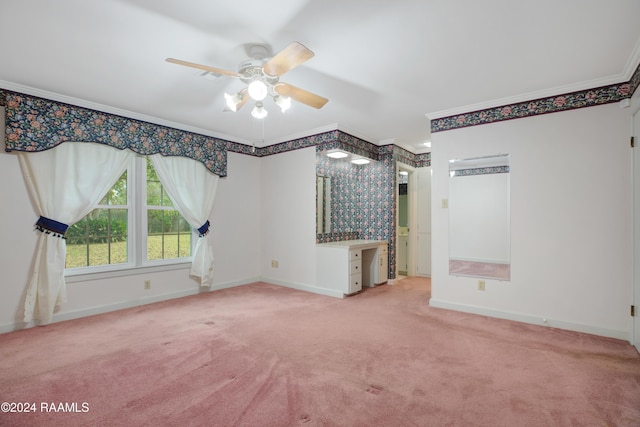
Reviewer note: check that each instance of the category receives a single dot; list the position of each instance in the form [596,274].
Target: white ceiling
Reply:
[383,64]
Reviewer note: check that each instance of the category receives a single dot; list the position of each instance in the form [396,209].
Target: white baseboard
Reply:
[304,287]
[85,312]
[525,318]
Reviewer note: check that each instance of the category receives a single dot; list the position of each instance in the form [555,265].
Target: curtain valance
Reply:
[38,124]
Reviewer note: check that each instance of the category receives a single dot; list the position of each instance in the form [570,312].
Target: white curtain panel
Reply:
[192,189]
[65,183]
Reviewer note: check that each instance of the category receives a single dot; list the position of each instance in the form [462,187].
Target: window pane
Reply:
[168,235]
[98,239]
[117,195]
[156,196]
[154,193]
[77,245]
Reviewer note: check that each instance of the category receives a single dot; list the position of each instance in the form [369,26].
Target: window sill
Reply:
[125,271]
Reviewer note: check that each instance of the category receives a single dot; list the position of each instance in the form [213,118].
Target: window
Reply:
[168,234]
[123,232]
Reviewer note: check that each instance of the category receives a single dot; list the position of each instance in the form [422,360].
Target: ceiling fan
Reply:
[262,78]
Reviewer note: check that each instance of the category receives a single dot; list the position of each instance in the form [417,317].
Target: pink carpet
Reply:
[263,355]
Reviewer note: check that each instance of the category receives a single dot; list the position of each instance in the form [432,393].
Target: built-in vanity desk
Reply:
[349,265]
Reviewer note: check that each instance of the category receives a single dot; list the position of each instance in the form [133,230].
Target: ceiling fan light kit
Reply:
[258,111]
[263,79]
[257,90]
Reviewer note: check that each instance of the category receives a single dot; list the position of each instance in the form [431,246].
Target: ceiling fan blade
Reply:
[203,67]
[287,59]
[301,95]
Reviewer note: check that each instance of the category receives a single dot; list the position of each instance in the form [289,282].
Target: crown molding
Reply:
[576,87]
[630,68]
[633,63]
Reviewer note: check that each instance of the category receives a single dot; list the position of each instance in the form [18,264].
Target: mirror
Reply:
[323,204]
[479,224]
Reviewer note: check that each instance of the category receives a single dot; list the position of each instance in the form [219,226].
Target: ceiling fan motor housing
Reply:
[252,70]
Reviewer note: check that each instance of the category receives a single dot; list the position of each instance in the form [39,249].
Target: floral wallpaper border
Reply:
[569,101]
[37,124]
[480,171]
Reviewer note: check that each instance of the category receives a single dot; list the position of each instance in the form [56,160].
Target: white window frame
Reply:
[136,235]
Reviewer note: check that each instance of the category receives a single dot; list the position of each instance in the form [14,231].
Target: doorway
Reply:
[405,220]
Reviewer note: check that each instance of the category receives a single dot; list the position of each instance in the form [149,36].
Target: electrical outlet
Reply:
[274,263]
[147,284]
[481,285]
[445,203]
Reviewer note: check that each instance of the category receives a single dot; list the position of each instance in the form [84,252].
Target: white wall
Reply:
[288,194]
[570,220]
[235,223]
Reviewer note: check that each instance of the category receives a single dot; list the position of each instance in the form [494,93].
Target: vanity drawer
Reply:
[355,283]
[355,267]
[355,254]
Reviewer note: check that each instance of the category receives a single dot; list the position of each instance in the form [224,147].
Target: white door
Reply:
[635,333]
[424,221]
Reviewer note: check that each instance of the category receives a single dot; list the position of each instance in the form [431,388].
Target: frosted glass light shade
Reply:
[360,161]
[337,154]
[232,101]
[284,102]
[258,111]
[257,90]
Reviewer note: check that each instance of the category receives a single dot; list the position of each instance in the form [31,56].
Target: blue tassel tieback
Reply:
[50,226]
[204,230]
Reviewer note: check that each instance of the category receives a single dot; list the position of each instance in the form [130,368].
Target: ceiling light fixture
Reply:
[337,154]
[262,75]
[233,100]
[428,144]
[284,102]
[257,90]
[258,111]
[360,161]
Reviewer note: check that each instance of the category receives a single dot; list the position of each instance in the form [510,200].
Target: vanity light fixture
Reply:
[360,161]
[337,154]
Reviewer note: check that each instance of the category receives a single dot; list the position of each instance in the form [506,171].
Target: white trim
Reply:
[92,311]
[633,62]
[123,271]
[560,90]
[303,287]
[534,320]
